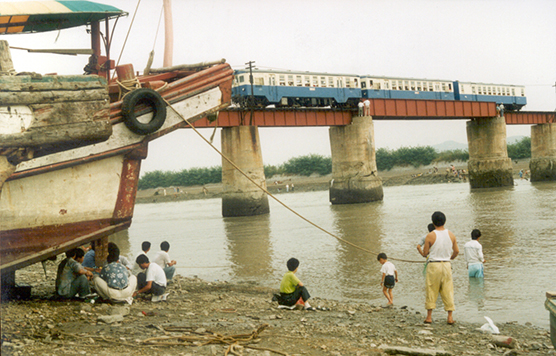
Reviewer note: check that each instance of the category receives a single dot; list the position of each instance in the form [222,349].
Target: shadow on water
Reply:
[249,246]
[360,224]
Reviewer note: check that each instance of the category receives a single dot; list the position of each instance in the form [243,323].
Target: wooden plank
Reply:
[69,112]
[59,134]
[51,82]
[52,96]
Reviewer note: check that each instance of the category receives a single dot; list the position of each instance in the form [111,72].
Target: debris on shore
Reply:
[223,318]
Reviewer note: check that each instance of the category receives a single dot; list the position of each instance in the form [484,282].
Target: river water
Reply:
[518,225]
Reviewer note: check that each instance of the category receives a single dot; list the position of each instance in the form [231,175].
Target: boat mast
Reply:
[168,34]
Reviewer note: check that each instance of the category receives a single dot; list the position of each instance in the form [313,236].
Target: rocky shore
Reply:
[221,318]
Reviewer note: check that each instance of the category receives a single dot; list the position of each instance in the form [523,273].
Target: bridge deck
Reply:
[380,109]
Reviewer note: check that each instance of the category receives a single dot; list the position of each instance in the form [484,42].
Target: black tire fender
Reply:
[147,97]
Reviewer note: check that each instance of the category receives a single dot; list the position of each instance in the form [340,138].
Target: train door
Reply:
[272,88]
[340,96]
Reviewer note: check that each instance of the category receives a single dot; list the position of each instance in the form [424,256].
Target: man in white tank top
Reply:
[441,247]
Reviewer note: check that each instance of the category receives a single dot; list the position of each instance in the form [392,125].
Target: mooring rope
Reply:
[278,200]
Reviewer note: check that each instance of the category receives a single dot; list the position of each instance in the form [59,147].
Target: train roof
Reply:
[497,84]
[405,78]
[293,72]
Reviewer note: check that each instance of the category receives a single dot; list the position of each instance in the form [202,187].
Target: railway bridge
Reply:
[354,172]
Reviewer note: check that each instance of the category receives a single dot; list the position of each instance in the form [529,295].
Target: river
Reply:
[518,226]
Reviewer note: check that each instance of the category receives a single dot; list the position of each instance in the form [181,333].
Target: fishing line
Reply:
[276,199]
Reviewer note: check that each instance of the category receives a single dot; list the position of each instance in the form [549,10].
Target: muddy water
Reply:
[519,242]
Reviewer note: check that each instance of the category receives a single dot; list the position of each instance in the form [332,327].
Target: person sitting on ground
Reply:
[70,253]
[152,281]
[89,258]
[162,258]
[89,262]
[122,259]
[474,255]
[291,288]
[389,277]
[73,279]
[114,282]
[145,248]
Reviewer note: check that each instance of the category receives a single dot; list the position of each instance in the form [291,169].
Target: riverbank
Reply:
[198,315]
[291,184]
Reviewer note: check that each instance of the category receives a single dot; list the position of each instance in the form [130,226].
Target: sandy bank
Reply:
[283,184]
[204,312]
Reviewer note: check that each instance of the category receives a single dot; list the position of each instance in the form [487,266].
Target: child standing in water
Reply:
[389,277]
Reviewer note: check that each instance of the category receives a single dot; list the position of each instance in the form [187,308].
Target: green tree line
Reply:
[306,165]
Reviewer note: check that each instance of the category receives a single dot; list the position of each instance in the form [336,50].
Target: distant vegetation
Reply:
[520,149]
[316,164]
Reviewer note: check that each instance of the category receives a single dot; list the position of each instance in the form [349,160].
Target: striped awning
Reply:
[50,15]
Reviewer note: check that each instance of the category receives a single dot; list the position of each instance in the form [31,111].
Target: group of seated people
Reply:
[118,280]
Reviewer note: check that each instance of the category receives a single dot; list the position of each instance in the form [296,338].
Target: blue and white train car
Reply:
[512,96]
[373,87]
[288,88]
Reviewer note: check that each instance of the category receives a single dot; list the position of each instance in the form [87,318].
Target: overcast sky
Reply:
[490,41]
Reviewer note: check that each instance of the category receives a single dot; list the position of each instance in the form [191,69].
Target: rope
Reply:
[158,27]
[278,200]
[127,35]
[128,85]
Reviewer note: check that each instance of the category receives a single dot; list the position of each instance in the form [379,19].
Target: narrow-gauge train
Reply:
[312,89]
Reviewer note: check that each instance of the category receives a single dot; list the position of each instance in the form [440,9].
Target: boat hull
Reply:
[65,199]
[550,305]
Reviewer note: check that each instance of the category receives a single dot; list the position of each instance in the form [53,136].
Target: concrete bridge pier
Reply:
[354,172]
[240,197]
[543,152]
[489,165]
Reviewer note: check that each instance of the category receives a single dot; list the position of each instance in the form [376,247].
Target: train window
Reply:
[355,85]
[348,82]
[431,87]
[522,92]
[282,79]
[271,80]
[307,81]
[331,82]
[412,85]
[298,81]
[450,86]
[363,84]
[406,85]
[386,85]
[513,91]
[315,81]
[443,86]
[259,81]
[290,80]
[323,82]
[419,86]
[241,79]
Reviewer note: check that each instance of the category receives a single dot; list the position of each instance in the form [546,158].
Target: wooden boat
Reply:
[71,149]
[550,305]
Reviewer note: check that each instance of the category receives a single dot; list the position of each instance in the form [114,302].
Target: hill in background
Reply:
[453,145]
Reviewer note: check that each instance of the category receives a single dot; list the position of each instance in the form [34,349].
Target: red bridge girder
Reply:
[380,109]
[530,117]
